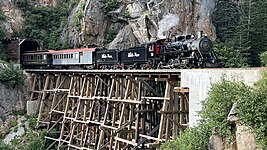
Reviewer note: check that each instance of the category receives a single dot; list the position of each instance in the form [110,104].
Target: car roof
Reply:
[71,50]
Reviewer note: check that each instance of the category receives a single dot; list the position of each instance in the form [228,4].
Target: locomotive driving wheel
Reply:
[170,63]
[201,64]
[160,65]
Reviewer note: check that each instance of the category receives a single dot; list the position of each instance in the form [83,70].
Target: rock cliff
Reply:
[11,100]
[13,17]
[138,21]
[131,22]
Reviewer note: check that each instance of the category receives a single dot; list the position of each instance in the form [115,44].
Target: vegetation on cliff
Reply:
[110,5]
[45,23]
[12,76]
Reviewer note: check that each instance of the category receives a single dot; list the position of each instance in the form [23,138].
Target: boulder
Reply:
[216,142]
[232,116]
[124,39]
[245,139]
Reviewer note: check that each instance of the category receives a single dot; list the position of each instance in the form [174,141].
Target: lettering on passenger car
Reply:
[131,54]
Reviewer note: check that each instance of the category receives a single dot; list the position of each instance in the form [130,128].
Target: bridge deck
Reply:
[162,73]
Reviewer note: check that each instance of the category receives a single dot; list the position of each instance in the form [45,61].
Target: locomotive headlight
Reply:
[203,45]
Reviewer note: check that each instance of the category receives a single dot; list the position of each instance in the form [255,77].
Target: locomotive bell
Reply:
[200,34]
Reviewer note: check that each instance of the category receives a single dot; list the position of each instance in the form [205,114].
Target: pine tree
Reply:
[231,26]
[251,36]
[258,30]
[225,18]
[241,41]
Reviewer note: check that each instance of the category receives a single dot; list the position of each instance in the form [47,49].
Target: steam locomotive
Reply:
[182,52]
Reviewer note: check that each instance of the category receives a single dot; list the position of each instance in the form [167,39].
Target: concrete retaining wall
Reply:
[199,82]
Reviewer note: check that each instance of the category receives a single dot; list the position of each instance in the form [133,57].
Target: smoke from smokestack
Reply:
[168,21]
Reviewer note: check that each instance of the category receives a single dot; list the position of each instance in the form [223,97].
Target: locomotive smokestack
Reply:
[200,34]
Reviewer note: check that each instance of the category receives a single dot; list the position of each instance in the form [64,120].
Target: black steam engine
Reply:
[182,52]
[188,52]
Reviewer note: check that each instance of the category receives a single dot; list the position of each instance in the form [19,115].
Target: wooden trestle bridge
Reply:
[109,109]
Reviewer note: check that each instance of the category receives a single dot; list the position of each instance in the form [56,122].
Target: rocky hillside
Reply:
[119,23]
[13,18]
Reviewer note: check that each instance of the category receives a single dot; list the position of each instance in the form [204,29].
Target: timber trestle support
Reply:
[87,109]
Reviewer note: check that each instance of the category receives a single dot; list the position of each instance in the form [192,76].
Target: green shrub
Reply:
[12,76]
[219,103]
[110,5]
[111,35]
[252,111]
[192,139]
[31,141]
[32,122]
[228,55]
[263,57]
[36,143]
[14,123]
[45,23]
[4,146]
[19,112]
[21,3]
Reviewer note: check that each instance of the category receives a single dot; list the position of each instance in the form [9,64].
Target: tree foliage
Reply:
[214,117]
[230,56]
[263,57]
[111,35]
[225,17]
[242,26]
